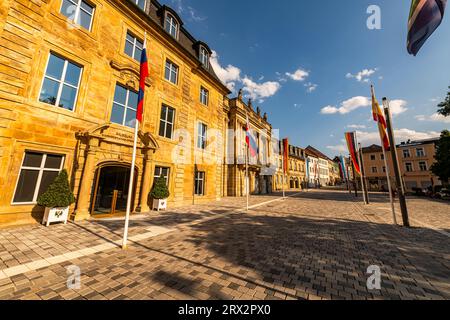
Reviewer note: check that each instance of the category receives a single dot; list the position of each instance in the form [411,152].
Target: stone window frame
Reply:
[136,2]
[406,154]
[77,12]
[200,177]
[423,166]
[166,122]
[135,45]
[41,170]
[374,169]
[204,56]
[202,140]
[61,81]
[162,167]
[420,154]
[177,74]
[126,106]
[407,165]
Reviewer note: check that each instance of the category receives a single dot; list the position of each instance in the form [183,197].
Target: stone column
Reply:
[146,183]
[84,194]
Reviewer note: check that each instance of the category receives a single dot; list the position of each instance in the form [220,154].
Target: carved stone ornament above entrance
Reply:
[129,74]
[114,134]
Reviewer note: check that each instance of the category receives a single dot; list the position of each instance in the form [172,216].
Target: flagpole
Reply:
[247,183]
[360,169]
[282,167]
[391,198]
[130,188]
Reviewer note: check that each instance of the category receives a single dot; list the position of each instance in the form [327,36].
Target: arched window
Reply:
[171,25]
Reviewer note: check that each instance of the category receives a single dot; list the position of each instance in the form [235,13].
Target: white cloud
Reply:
[260,90]
[189,11]
[356,126]
[310,87]
[368,138]
[298,75]
[398,106]
[228,75]
[347,106]
[341,148]
[434,118]
[362,76]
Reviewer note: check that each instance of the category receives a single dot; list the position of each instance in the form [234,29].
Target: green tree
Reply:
[444,107]
[160,190]
[441,167]
[58,193]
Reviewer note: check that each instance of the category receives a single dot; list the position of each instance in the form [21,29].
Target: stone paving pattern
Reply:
[315,245]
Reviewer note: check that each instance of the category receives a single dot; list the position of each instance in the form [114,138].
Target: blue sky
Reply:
[309,65]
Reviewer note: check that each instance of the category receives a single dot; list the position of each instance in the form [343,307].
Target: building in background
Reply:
[68,94]
[415,161]
[318,166]
[334,172]
[295,178]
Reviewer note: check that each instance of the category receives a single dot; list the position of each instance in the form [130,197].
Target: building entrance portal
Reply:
[111,190]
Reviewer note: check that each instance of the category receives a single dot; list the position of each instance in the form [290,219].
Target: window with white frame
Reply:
[406,153]
[133,47]
[166,122]
[374,169]
[140,3]
[204,57]
[124,107]
[61,83]
[171,72]
[201,135]
[171,25]
[409,167]
[204,96]
[79,11]
[423,166]
[199,183]
[162,172]
[420,152]
[37,172]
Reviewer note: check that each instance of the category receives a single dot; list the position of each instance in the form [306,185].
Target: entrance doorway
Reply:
[111,190]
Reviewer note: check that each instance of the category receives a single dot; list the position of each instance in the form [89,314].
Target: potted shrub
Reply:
[57,200]
[159,194]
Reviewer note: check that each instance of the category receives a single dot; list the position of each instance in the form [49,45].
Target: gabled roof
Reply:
[316,153]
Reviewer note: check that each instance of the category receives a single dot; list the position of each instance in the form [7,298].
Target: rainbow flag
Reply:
[378,116]
[350,137]
[424,18]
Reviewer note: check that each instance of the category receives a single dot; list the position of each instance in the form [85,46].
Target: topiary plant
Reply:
[160,190]
[58,194]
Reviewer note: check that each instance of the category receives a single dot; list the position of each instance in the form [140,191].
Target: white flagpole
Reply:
[284,171]
[247,178]
[130,188]
[360,169]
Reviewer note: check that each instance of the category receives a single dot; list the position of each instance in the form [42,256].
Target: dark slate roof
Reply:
[154,10]
[372,148]
[316,153]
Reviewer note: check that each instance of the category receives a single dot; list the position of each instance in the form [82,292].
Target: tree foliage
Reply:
[58,193]
[160,190]
[444,107]
[441,167]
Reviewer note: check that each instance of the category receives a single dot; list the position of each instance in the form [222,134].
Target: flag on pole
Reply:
[378,116]
[424,18]
[285,155]
[143,75]
[343,168]
[251,142]
[350,138]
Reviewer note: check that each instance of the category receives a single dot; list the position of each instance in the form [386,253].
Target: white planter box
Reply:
[159,204]
[55,215]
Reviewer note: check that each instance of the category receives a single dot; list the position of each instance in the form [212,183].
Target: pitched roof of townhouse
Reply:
[316,153]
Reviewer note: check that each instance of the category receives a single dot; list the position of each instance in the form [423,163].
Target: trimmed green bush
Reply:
[58,193]
[160,190]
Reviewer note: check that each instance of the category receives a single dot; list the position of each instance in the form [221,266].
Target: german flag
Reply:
[351,144]
[378,117]
[424,18]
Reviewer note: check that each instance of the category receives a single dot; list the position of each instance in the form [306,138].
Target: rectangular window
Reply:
[201,135]
[133,47]
[384,169]
[372,157]
[204,57]
[140,3]
[204,96]
[171,26]
[409,167]
[79,11]
[382,156]
[171,73]
[37,172]
[200,183]
[406,154]
[423,166]
[61,83]
[374,170]
[162,172]
[420,152]
[166,122]
[124,107]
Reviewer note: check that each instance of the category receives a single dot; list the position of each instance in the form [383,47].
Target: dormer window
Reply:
[171,25]
[140,3]
[204,57]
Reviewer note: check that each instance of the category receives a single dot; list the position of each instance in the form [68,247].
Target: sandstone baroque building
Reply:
[69,72]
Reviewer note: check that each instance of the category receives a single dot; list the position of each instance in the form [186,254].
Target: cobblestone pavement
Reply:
[314,245]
